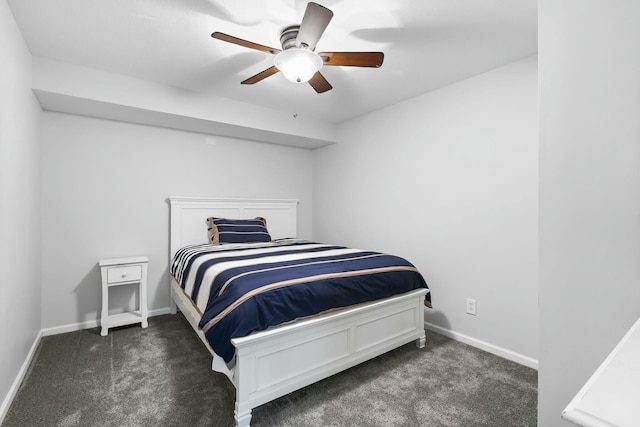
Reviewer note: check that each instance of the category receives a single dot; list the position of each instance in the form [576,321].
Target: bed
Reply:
[270,363]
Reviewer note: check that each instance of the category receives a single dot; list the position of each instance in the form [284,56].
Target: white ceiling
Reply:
[427,44]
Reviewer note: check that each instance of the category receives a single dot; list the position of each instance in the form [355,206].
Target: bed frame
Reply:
[272,363]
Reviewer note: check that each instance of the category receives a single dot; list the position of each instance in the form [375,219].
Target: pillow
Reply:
[224,230]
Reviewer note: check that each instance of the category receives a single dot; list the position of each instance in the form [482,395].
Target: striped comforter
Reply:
[242,288]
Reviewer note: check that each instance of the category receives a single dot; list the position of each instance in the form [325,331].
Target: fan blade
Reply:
[315,21]
[353,59]
[319,83]
[245,43]
[261,76]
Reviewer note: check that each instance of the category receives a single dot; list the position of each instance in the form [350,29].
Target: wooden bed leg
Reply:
[173,308]
[420,342]
[244,419]
[242,413]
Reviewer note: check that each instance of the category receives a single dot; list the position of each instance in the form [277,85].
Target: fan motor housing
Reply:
[288,36]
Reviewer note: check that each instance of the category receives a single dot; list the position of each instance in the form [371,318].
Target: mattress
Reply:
[238,289]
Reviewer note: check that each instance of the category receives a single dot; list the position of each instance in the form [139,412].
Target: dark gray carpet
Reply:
[161,376]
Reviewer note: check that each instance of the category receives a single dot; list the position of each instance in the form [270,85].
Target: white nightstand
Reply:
[124,271]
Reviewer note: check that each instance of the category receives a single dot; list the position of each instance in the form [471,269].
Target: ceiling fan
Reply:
[297,60]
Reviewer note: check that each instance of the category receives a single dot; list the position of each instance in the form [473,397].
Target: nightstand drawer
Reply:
[122,274]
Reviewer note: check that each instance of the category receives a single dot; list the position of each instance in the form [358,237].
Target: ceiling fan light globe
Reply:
[298,64]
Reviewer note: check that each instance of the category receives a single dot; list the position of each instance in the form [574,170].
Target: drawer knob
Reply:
[124,274]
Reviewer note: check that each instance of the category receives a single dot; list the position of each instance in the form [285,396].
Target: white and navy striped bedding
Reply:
[242,288]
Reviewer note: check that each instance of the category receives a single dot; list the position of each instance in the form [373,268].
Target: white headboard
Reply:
[188,215]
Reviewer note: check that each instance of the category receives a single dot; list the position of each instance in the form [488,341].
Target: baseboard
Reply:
[18,381]
[90,324]
[482,345]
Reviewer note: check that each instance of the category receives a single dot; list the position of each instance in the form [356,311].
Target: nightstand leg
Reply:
[105,309]
[143,297]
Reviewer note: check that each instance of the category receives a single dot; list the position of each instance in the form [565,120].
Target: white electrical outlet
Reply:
[471,306]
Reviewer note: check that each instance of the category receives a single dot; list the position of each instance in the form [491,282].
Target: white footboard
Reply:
[273,363]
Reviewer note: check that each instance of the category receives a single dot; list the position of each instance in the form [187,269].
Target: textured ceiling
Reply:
[427,44]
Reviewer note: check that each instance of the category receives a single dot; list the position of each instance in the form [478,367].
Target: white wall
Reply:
[105,185]
[448,180]
[19,205]
[589,190]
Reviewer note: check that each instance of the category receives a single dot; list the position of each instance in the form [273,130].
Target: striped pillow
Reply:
[224,230]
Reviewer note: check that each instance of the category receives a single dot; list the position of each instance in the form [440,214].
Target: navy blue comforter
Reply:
[242,288]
